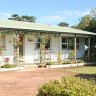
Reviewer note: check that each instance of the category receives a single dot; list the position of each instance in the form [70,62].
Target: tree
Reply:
[92,25]
[25,18]
[88,23]
[63,24]
[84,22]
[16,42]
[44,38]
[93,13]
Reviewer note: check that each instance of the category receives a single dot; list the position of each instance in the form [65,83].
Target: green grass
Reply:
[83,70]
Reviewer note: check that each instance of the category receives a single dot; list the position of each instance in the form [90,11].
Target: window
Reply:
[37,46]
[78,43]
[71,43]
[68,43]
[64,43]
[47,46]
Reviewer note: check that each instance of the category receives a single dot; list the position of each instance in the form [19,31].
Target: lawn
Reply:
[83,70]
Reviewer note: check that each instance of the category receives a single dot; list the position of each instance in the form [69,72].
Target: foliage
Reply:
[93,13]
[16,41]
[92,25]
[59,57]
[63,24]
[68,86]
[92,57]
[44,38]
[72,54]
[67,62]
[84,22]
[25,18]
[2,46]
[88,23]
[50,63]
[71,62]
[80,61]
[8,66]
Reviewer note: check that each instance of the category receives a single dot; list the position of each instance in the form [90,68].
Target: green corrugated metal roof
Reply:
[41,27]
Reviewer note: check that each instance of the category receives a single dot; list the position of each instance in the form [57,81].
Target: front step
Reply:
[21,62]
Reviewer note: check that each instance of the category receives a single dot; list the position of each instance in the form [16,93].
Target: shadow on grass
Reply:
[87,76]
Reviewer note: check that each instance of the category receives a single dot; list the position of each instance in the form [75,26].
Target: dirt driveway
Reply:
[26,82]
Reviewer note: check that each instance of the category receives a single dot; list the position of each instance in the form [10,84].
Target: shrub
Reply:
[59,54]
[50,63]
[8,66]
[67,62]
[72,54]
[80,61]
[68,86]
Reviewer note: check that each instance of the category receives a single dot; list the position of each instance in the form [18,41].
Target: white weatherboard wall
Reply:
[54,47]
[31,55]
[56,43]
[80,51]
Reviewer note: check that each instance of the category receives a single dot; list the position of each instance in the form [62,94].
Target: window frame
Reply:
[36,39]
[71,44]
[64,43]
[39,43]
[67,43]
[78,43]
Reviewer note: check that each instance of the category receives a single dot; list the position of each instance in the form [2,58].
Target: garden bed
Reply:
[11,69]
[70,65]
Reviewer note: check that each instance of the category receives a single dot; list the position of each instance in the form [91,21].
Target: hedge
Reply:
[68,86]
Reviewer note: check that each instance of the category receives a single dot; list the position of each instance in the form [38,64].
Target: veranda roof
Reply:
[36,27]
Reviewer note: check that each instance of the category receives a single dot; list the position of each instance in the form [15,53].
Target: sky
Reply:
[49,12]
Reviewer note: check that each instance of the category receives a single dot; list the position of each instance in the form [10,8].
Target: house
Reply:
[66,40]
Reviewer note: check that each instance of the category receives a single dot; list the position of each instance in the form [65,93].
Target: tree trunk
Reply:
[16,56]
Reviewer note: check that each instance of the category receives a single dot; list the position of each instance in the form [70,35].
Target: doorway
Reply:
[21,49]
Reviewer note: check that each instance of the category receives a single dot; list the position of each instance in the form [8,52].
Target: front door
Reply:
[21,37]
